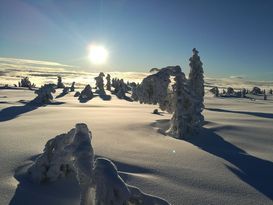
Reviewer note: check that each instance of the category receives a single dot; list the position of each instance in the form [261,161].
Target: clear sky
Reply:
[234,37]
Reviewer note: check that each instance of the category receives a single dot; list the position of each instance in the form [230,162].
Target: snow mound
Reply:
[99,181]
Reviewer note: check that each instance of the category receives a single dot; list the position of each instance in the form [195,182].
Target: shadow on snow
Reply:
[254,171]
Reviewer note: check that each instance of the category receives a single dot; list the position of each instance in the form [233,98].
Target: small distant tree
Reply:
[265,96]
[72,88]
[60,83]
[243,93]
[100,83]
[108,83]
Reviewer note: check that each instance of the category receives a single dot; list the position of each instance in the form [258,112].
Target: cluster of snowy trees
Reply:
[45,92]
[25,82]
[184,98]
[99,180]
[230,92]
[120,87]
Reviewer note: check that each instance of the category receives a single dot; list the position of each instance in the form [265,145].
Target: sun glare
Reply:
[97,54]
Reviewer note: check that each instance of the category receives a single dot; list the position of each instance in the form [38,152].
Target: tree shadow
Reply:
[256,114]
[62,95]
[103,95]
[84,100]
[254,171]
[12,112]
[113,92]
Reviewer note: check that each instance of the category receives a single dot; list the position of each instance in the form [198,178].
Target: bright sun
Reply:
[97,54]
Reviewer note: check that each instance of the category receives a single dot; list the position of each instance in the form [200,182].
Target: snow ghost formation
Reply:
[196,86]
[256,91]
[72,88]
[44,94]
[60,83]
[185,98]
[99,180]
[121,89]
[86,93]
[108,82]
[243,93]
[25,82]
[99,83]
[134,95]
[265,96]
[215,91]
[230,91]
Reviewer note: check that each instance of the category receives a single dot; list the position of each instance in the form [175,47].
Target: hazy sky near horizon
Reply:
[234,37]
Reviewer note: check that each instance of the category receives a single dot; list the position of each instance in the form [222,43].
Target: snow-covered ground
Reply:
[230,162]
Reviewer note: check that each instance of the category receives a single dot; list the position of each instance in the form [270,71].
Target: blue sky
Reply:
[234,37]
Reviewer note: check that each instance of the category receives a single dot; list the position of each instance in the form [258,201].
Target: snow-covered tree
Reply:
[179,121]
[215,91]
[155,88]
[72,88]
[256,91]
[60,83]
[121,89]
[230,91]
[100,83]
[25,82]
[108,82]
[134,95]
[44,94]
[86,94]
[243,93]
[196,88]
[196,77]
[99,181]
[185,99]
[265,96]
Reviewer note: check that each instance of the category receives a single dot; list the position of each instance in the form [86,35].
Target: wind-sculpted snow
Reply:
[184,98]
[99,181]
[155,88]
